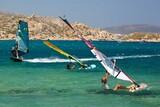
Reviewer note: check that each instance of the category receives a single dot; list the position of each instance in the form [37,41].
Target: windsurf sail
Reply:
[22,38]
[52,46]
[107,63]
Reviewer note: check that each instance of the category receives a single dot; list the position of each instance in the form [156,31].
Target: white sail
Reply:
[110,67]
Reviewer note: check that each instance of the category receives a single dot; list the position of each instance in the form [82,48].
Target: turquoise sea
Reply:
[42,80]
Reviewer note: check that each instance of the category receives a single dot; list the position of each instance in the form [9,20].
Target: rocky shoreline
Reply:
[42,28]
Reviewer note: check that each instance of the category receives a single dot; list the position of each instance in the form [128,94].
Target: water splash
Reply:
[55,60]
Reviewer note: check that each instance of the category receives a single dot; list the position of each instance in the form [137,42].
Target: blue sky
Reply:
[96,13]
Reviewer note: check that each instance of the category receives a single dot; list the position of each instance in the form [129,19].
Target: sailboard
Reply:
[21,46]
[57,49]
[108,64]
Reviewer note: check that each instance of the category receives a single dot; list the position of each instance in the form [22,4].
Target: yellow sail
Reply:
[49,44]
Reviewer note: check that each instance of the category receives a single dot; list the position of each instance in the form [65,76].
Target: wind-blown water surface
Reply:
[42,80]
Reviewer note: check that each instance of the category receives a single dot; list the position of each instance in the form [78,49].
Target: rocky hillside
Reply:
[41,28]
[48,28]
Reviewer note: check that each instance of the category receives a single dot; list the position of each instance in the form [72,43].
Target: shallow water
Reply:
[43,80]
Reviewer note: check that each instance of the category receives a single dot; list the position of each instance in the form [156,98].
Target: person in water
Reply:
[130,88]
[104,80]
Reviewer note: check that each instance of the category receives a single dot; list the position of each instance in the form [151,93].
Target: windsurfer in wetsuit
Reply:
[104,80]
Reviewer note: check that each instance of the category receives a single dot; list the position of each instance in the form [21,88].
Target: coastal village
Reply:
[43,28]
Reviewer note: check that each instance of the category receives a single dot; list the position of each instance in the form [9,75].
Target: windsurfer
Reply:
[104,80]
[71,65]
[130,88]
[15,51]
[21,44]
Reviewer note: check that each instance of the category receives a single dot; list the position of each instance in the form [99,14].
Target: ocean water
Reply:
[42,80]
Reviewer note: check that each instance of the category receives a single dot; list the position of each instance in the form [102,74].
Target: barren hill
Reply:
[47,28]
[127,29]
[41,28]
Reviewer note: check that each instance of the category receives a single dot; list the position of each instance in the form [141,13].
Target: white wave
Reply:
[55,60]
[134,56]
[143,86]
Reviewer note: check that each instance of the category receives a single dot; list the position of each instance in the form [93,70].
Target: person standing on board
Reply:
[104,80]
[15,51]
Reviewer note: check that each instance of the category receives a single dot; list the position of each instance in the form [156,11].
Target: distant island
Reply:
[127,29]
[42,28]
